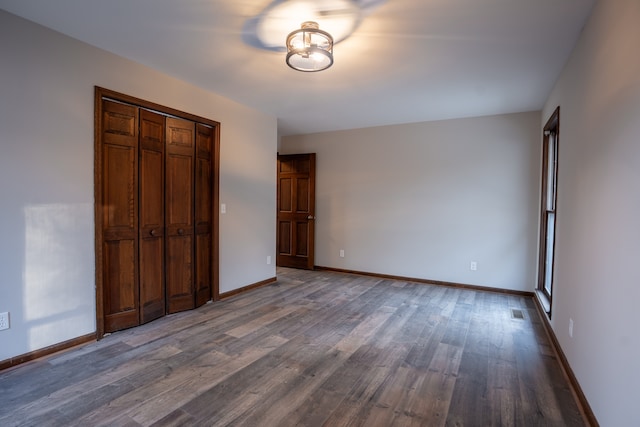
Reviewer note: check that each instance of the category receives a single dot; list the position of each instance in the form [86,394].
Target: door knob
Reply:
[152,232]
[180,231]
[311,217]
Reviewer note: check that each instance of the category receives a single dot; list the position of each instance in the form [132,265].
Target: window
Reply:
[548,207]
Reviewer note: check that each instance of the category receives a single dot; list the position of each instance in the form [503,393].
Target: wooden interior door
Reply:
[179,215]
[156,192]
[119,215]
[151,238]
[296,210]
[204,212]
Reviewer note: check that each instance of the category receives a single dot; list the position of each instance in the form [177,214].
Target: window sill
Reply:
[544,301]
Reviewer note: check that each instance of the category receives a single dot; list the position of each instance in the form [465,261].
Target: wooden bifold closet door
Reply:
[151,217]
[120,215]
[179,214]
[156,213]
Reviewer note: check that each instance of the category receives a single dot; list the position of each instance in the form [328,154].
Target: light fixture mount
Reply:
[309,49]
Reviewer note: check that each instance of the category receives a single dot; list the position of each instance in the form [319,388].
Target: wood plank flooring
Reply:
[313,349]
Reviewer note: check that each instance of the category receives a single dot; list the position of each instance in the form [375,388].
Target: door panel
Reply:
[121,299]
[302,238]
[302,195]
[179,206]
[179,190]
[204,212]
[119,215]
[296,211]
[152,298]
[284,238]
[285,200]
[179,273]
[119,165]
[152,133]
[203,268]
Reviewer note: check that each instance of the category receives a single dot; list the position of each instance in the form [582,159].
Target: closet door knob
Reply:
[180,231]
[152,232]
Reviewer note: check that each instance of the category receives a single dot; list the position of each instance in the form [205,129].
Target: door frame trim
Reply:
[99,94]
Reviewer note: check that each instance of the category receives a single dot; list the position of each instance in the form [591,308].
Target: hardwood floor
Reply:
[315,348]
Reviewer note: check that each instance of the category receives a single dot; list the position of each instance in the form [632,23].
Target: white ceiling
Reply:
[408,61]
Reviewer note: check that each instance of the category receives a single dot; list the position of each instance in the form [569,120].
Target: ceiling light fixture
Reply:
[309,48]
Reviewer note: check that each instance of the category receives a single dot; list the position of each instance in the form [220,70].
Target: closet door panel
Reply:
[119,206]
[152,296]
[179,191]
[204,212]
[152,299]
[121,299]
[180,273]
[179,214]
[119,199]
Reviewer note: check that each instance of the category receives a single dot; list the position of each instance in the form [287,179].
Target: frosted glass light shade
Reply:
[309,48]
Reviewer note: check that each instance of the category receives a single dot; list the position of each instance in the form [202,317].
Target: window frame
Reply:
[548,208]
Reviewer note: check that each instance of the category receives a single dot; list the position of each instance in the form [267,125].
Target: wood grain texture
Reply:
[56,348]
[296,210]
[191,263]
[311,349]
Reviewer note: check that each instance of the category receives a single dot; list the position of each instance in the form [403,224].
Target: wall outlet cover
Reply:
[4,321]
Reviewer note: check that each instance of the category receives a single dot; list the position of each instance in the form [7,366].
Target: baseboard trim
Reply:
[430,282]
[248,288]
[587,412]
[27,357]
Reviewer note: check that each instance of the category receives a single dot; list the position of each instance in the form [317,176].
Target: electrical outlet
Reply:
[473,266]
[223,208]
[4,321]
[570,327]
[341,253]
[268,259]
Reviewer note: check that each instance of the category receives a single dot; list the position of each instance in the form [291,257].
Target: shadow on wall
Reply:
[57,281]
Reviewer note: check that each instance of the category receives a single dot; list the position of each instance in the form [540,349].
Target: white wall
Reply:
[597,281]
[47,264]
[423,200]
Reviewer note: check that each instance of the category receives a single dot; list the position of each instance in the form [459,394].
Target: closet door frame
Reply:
[100,94]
